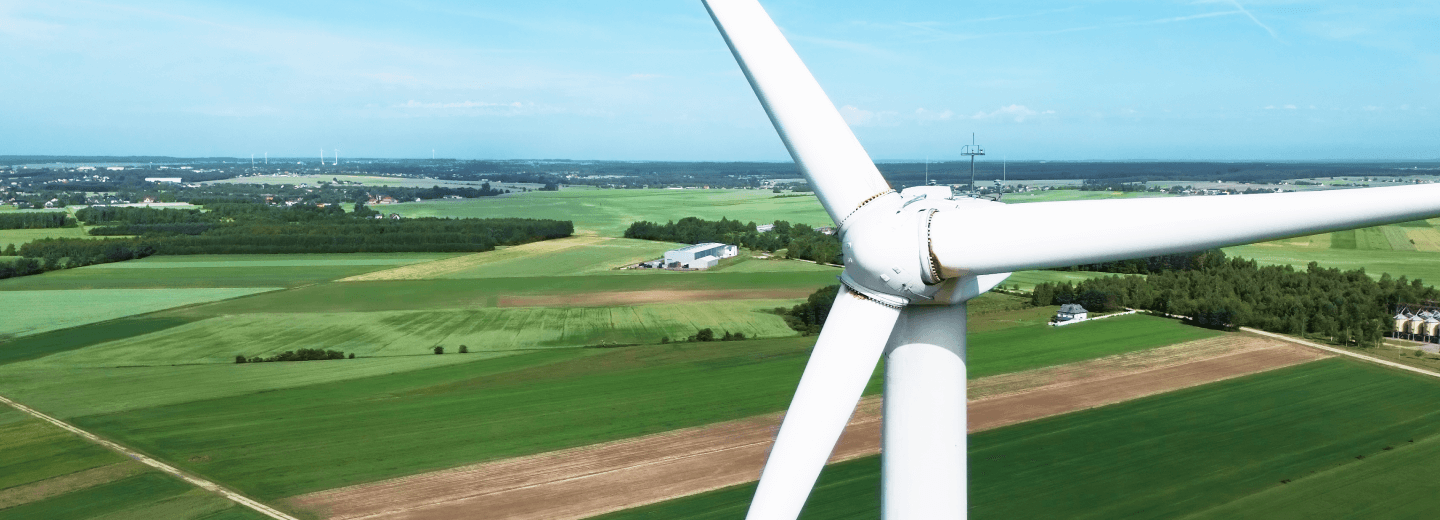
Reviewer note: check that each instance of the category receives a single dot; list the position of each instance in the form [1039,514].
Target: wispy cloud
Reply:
[1019,113]
[1241,9]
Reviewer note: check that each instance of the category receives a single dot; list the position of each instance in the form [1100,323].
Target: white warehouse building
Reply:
[700,256]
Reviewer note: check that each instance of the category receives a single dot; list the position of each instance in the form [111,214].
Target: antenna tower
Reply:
[972,150]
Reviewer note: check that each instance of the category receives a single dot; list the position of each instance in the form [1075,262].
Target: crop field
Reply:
[46,343]
[1022,348]
[406,295]
[19,237]
[363,180]
[1216,451]
[46,472]
[1058,195]
[410,333]
[1411,249]
[217,271]
[600,257]
[30,312]
[205,417]
[609,212]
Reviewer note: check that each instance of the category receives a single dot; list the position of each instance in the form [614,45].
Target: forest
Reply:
[1347,307]
[799,240]
[35,220]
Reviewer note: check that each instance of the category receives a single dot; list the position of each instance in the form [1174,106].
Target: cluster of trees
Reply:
[226,228]
[708,334]
[809,317]
[35,220]
[1345,306]
[1198,260]
[62,253]
[799,240]
[20,267]
[304,354]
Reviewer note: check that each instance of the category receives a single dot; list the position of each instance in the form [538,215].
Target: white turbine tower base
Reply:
[912,260]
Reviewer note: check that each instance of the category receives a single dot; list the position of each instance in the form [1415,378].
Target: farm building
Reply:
[1417,323]
[1071,313]
[700,256]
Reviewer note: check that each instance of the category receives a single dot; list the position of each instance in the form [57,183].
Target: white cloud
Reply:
[1289,107]
[855,116]
[1017,112]
[931,115]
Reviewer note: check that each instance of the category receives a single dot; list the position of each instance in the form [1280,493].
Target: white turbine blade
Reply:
[827,152]
[840,366]
[996,238]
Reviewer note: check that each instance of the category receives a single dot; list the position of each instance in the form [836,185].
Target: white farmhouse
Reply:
[1071,313]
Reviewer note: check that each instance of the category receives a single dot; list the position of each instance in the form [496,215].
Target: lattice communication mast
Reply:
[972,150]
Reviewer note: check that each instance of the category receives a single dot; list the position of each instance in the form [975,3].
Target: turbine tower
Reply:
[914,258]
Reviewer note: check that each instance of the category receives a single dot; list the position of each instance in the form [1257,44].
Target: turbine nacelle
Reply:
[888,251]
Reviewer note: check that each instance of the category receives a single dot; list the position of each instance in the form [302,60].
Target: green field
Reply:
[609,212]
[1411,249]
[49,473]
[442,416]
[19,237]
[30,312]
[598,258]
[1059,195]
[1216,451]
[409,333]
[410,295]
[216,271]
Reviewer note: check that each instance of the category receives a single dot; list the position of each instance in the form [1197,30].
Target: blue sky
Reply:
[1103,80]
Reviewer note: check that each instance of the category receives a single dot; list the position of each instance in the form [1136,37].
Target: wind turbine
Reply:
[913,259]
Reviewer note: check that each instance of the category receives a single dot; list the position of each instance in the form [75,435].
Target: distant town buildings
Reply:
[175,180]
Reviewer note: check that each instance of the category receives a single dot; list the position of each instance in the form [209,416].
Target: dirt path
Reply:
[172,470]
[591,480]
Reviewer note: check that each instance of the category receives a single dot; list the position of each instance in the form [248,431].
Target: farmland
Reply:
[30,312]
[19,237]
[1215,451]
[1411,249]
[609,212]
[489,406]
[217,271]
[46,472]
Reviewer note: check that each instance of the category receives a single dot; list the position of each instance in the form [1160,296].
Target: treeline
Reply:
[36,220]
[799,240]
[304,354]
[1344,306]
[809,316]
[1182,261]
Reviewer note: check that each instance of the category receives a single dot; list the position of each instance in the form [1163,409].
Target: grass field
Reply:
[409,295]
[217,271]
[600,257]
[1411,249]
[609,212]
[21,236]
[30,312]
[46,472]
[408,333]
[1216,451]
[443,416]
[46,343]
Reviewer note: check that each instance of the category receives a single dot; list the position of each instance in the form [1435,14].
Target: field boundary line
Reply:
[1342,352]
[193,480]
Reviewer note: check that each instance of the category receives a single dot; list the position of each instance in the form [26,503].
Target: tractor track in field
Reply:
[591,480]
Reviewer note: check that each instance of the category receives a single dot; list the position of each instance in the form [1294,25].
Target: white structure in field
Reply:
[699,256]
[1070,313]
[163,179]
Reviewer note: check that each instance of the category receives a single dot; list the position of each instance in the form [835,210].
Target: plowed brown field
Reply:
[591,480]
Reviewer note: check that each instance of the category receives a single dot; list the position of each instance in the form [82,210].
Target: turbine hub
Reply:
[886,244]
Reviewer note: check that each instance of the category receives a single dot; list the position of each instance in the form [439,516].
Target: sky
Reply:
[652,79]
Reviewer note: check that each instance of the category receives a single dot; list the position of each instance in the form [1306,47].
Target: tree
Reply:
[705,334]
[10,250]
[352,355]
[240,359]
[464,349]
[664,340]
[439,350]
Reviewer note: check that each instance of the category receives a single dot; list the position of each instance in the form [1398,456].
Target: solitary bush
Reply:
[352,355]
[240,359]
[705,334]
[439,350]
[464,349]
[664,340]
